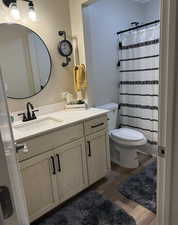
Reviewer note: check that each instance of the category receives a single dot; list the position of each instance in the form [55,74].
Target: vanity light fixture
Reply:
[14,10]
[32,14]
[12,4]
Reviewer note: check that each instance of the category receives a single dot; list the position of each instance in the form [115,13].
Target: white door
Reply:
[167,120]
[96,147]
[71,169]
[12,202]
[40,170]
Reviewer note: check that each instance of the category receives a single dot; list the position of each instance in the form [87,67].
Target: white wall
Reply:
[152,10]
[102,20]
[78,21]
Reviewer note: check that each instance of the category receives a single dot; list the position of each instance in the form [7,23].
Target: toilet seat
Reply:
[127,136]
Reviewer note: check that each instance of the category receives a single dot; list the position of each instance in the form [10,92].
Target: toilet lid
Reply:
[127,134]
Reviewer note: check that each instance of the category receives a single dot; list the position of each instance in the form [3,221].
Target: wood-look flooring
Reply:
[109,188]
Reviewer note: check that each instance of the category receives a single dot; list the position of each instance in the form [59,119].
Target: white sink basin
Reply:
[37,126]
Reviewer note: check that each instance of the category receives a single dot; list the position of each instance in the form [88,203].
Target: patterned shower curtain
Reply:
[139,81]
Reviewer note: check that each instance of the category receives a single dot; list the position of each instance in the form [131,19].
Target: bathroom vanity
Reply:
[61,153]
[64,157]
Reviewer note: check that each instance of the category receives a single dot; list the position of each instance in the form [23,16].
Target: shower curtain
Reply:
[139,82]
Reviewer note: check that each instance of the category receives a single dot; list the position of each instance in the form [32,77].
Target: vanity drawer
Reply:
[96,124]
[47,142]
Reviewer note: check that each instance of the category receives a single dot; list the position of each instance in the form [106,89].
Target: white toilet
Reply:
[124,142]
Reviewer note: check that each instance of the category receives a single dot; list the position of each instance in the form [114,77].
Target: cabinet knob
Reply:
[53,165]
[97,125]
[89,149]
[21,148]
[59,162]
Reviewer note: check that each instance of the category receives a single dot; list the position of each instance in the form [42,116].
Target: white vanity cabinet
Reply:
[62,163]
[52,178]
[97,148]
[71,169]
[39,184]
[97,161]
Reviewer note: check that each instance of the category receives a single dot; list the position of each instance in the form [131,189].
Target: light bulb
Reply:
[32,13]
[14,11]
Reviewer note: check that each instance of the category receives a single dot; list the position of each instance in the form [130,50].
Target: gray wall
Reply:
[152,10]
[102,20]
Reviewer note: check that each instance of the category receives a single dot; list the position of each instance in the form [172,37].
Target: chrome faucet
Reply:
[30,114]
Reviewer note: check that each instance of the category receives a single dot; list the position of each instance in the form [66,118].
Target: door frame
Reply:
[11,169]
[167,93]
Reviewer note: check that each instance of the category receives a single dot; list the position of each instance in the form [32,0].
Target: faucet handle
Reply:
[24,118]
[34,115]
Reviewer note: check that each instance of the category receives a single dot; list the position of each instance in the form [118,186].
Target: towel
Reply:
[80,79]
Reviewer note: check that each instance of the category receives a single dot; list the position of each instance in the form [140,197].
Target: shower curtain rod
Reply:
[140,26]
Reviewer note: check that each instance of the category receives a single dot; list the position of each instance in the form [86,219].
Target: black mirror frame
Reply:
[50,59]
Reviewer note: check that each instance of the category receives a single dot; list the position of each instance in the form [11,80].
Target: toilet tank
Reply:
[112,115]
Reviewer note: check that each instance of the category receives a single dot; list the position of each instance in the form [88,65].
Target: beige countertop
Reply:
[58,120]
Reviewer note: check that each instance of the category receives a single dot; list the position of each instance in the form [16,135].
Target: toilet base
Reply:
[124,156]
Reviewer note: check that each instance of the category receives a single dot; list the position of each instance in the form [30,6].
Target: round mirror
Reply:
[25,61]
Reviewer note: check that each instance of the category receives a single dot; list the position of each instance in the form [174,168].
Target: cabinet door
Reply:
[97,156]
[72,169]
[39,182]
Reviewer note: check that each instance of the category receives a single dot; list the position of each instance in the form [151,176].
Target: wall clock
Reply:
[65,48]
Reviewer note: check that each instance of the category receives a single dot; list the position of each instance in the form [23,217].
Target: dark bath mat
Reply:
[141,188]
[90,208]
